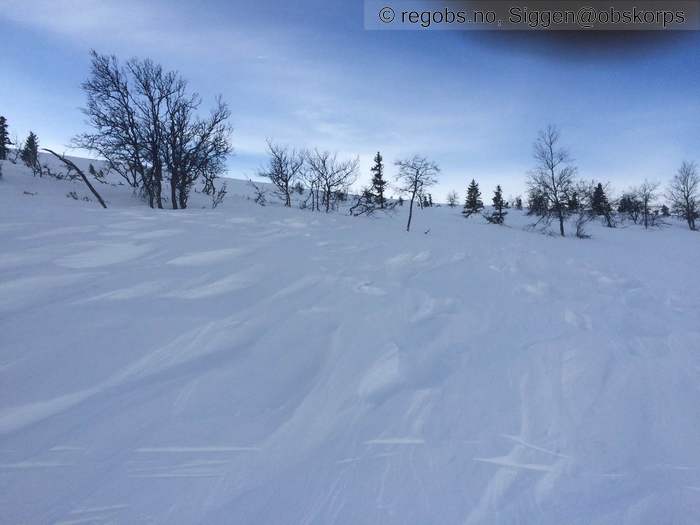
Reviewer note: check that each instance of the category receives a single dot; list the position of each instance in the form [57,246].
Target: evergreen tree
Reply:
[665,212]
[30,151]
[4,138]
[473,203]
[518,203]
[498,215]
[378,182]
[573,203]
[600,204]
[537,203]
[430,200]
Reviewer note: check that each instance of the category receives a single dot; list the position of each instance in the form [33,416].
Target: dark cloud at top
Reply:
[585,46]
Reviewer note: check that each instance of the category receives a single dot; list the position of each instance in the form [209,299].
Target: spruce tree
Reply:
[498,215]
[599,203]
[573,203]
[378,182]
[30,151]
[498,204]
[4,138]
[473,203]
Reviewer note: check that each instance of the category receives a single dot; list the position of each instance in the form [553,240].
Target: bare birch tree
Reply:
[647,194]
[144,125]
[111,113]
[331,176]
[415,174]
[284,170]
[553,176]
[684,193]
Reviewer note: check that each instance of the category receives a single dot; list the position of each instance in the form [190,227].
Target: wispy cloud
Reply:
[326,83]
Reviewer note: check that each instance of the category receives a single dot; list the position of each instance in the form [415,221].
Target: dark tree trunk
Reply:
[82,175]
[183,193]
[173,190]
[410,212]
[157,189]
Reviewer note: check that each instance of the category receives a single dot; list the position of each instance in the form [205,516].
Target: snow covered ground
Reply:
[279,366]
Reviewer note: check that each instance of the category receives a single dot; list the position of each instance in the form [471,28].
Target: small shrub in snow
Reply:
[259,192]
[364,204]
[218,195]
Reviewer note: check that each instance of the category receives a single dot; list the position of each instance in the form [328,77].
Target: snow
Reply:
[271,365]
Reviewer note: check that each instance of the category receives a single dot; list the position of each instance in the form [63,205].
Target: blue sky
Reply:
[309,75]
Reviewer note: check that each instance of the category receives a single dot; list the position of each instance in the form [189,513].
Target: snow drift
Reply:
[271,365]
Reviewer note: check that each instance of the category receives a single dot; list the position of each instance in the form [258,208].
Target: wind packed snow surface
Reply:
[280,366]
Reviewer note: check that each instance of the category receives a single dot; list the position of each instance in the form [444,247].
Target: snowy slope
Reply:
[270,365]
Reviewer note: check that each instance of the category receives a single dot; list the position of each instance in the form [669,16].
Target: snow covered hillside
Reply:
[279,366]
